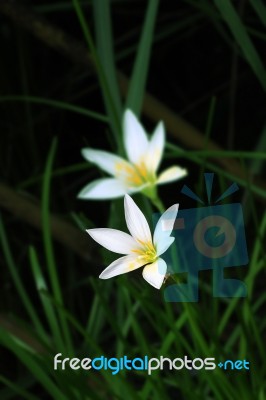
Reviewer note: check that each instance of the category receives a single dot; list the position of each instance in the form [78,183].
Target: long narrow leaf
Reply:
[34,366]
[56,104]
[104,40]
[15,388]
[260,9]
[140,70]
[47,306]
[242,38]
[19,284]
[110,106]
[47,240]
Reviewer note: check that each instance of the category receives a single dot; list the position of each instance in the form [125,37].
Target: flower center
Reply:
[133,175]
[147,253]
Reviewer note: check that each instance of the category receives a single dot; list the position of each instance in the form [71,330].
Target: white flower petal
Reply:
[121,266]
[114,240]
[136,222]
[154,273]
[171,174]
[135,138]
[105,188]
[163,245]
[164,227]
[155,149]
[103,159]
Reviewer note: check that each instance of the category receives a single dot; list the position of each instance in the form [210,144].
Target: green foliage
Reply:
[52,299]
[242,38]
[140,69]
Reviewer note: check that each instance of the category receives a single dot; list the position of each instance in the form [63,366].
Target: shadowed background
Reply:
[68,69]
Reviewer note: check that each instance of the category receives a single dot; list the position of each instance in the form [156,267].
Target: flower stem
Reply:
[156,201]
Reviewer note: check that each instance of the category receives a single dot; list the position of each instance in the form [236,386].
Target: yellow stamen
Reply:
[147,253]
[127,172]
[142,169]
[134,175]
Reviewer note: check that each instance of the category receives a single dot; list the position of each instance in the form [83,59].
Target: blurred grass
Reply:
[53,302]
[238,29]
[105,72]
[140,69]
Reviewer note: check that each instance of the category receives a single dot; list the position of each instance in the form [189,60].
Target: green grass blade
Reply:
[107,95]
[96,318]
[207,136]
[104,40]
[113,381]
[241,36]
[32,363]
[260,9]
[18,283]
[140,69]
[257,164]
[56,173]
[47,306]
[194,156]
[48,245]
[256,155]
[14,388]
[106,306]
[55,104]
[135,324]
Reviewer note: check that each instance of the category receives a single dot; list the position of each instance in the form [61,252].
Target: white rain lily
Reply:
[139,172]
[139,248]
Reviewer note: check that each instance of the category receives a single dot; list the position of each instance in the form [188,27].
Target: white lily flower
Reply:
[139,172]
[139,248]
